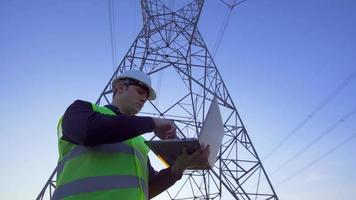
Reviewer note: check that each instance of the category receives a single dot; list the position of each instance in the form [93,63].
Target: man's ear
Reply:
[120,87]
[114,90]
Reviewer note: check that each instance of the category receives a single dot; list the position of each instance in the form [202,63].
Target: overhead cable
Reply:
[318,108]
[112,33]
[315,140]
[326,154]
[230,7]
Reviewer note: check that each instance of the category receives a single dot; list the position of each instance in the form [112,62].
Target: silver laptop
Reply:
[211,134]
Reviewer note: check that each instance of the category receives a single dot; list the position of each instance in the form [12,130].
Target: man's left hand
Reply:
[199,159]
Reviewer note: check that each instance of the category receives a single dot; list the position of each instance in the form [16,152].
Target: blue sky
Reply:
[279,60]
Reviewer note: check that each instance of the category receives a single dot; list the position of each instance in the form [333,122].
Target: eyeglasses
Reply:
[129,81]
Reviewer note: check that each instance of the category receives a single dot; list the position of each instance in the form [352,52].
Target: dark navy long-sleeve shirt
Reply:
[81,125]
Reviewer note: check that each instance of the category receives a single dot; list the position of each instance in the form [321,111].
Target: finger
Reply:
[171,133]
[197,154]
[202,146]
[161,136]
[170,136]
[173,127]
[207,149]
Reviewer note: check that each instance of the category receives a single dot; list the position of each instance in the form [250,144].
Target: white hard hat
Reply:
[138,76]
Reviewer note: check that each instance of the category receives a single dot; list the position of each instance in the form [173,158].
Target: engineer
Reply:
[102,154]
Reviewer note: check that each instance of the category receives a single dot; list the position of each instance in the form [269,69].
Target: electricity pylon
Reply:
[170,42]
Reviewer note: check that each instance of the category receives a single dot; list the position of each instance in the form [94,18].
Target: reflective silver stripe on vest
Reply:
[108,148]
[99,183]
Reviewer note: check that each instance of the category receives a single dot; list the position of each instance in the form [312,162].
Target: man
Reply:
[102,154]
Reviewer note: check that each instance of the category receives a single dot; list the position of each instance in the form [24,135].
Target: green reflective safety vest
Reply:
[108,171]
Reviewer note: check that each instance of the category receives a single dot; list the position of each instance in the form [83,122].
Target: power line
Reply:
[230,7]
[222,31]
[307,166]
[336,91]
[112,33]
[315,140]
[172,5]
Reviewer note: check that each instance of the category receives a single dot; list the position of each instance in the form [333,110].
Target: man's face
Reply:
[131,98]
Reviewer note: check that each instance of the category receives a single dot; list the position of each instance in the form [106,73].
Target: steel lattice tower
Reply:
[170,41]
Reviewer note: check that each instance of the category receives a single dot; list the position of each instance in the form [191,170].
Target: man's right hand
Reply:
[164,129]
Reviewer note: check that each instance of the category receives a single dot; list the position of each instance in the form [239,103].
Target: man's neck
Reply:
[117,108]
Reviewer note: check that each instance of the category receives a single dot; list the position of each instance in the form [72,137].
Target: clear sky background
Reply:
[280,60]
